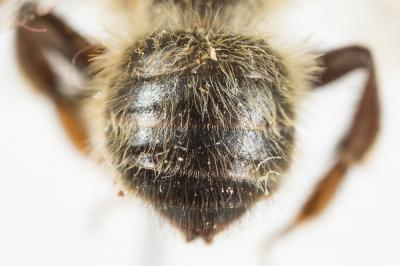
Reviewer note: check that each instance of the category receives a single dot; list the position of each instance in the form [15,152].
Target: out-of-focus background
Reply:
[58,208]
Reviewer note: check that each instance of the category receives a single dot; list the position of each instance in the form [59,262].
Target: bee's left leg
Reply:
[359,138]
[36,41]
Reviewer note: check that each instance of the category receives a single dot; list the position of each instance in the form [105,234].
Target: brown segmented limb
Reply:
[49,33]
[359,138]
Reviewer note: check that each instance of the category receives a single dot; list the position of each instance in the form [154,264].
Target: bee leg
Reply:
[34,40]
[359,138]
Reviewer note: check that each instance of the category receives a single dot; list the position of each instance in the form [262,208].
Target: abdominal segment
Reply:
[199,185]
[205,143]
[198,170]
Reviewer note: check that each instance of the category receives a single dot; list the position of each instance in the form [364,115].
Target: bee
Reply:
[194,110]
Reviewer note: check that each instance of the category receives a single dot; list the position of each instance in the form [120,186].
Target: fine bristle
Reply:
[196,107]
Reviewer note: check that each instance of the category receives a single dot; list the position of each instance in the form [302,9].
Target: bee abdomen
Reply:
[190,125]
[200,126]
[175,132]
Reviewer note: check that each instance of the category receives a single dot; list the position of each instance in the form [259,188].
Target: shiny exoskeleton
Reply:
[201,125]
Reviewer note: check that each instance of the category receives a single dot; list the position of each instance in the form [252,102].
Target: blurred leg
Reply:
[359,138]
[49,33]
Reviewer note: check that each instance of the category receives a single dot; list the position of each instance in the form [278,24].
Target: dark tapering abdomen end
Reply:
[200,223]
[199,207]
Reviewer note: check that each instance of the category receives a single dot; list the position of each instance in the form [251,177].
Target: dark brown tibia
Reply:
[193,140]
[34,40]
[359,138]
[362,133]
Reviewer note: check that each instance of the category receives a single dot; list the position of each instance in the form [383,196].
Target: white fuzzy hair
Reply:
[146,19]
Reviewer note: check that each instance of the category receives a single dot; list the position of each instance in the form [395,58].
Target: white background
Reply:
[59,208]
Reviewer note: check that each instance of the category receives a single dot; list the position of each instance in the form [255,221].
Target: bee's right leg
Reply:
[45,35]
[359,138]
